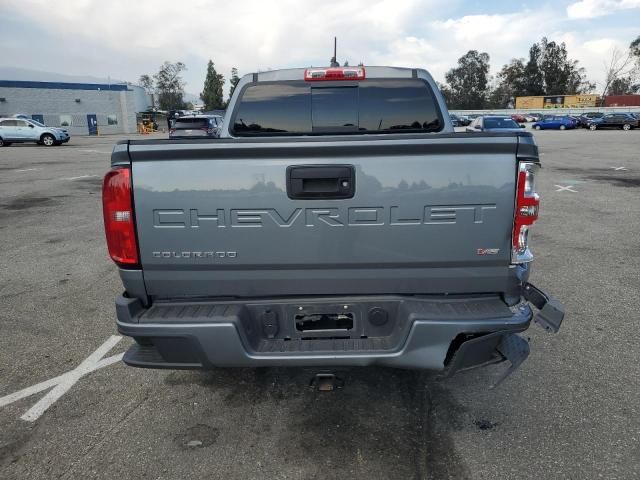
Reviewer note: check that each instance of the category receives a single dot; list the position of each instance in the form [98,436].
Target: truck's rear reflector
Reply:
[526,212]
[334,73]
[117,208]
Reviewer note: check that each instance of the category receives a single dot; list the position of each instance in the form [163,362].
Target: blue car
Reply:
[555,122]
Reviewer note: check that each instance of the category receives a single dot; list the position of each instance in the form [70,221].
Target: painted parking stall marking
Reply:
[62,383]
[88,150]
[79,177]
[619,169]
[565,188]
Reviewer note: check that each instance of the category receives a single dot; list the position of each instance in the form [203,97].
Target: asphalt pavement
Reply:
[572,411]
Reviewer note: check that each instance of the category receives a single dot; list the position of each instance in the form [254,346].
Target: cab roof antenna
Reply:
[334,62]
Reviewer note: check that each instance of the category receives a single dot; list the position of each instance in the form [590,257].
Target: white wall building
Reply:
[76,106]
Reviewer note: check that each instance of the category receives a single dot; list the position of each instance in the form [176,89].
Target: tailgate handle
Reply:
[311,182]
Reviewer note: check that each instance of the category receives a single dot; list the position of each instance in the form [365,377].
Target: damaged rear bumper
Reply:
[510,347]
[443,334]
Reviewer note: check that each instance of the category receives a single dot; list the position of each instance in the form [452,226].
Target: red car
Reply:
[518,118]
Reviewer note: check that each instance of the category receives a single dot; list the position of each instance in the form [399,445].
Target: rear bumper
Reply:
[420,333]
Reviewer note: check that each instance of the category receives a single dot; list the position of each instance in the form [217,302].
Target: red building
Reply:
[622,101]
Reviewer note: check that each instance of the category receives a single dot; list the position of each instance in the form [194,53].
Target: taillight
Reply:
[117,208]
[334,73]
[526,212]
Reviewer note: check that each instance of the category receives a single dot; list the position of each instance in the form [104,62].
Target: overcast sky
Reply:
[123,39]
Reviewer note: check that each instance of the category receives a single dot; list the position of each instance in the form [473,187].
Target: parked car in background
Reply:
[464,120]
[65,133]
[455,120]
[29,119]
[533,117]
[585,118]
[624,121]
[195,126]
[519,118]
[575,118]
[459,120]
[554,122]
[494,124]
[20,130]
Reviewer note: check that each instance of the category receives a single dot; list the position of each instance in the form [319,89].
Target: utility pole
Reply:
[334,61]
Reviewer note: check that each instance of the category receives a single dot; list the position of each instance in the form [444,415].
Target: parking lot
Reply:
[572,411]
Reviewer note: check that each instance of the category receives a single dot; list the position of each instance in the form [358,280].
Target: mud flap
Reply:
[551,311]
[515,349]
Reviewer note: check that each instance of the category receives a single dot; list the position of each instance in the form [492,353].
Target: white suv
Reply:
[21,130]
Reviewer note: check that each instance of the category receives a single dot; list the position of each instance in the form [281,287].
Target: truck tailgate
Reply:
[427,215]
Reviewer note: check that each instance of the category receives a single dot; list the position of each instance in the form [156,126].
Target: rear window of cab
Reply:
[368,106]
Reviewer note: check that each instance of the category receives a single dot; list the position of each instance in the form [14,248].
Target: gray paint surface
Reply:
[216,218]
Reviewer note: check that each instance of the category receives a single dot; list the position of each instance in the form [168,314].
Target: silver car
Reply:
[22,130]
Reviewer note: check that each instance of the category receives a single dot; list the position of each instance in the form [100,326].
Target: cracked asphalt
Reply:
[571,411]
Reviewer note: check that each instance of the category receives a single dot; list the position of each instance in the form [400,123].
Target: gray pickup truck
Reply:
[338,220]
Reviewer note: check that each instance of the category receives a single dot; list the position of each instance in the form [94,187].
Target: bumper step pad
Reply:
[148,356]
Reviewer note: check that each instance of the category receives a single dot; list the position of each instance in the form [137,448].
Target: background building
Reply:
[80,107]
[558,101]
[622,101]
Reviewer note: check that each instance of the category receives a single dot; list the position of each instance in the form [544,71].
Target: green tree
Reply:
[623,86]
[622,71]
[553,72]
[533,80]
[233,81]
[146,82]
[468,83]
[212,92]
[635,48]
[511,83]
[170,86]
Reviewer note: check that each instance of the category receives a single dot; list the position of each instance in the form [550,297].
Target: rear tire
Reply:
[3,143]
[626,127]
[593,128]
[48,140]
[562,127]
[537,127]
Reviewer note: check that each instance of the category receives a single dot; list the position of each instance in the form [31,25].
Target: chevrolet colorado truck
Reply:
[338,220]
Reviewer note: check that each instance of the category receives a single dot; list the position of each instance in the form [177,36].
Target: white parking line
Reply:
[565,188]
[92,151]
[78,178]
[27,170]
[618,169]
[62,383]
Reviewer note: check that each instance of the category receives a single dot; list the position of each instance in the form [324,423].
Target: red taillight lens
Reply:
[526,212]
[335,73]
[117,208]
